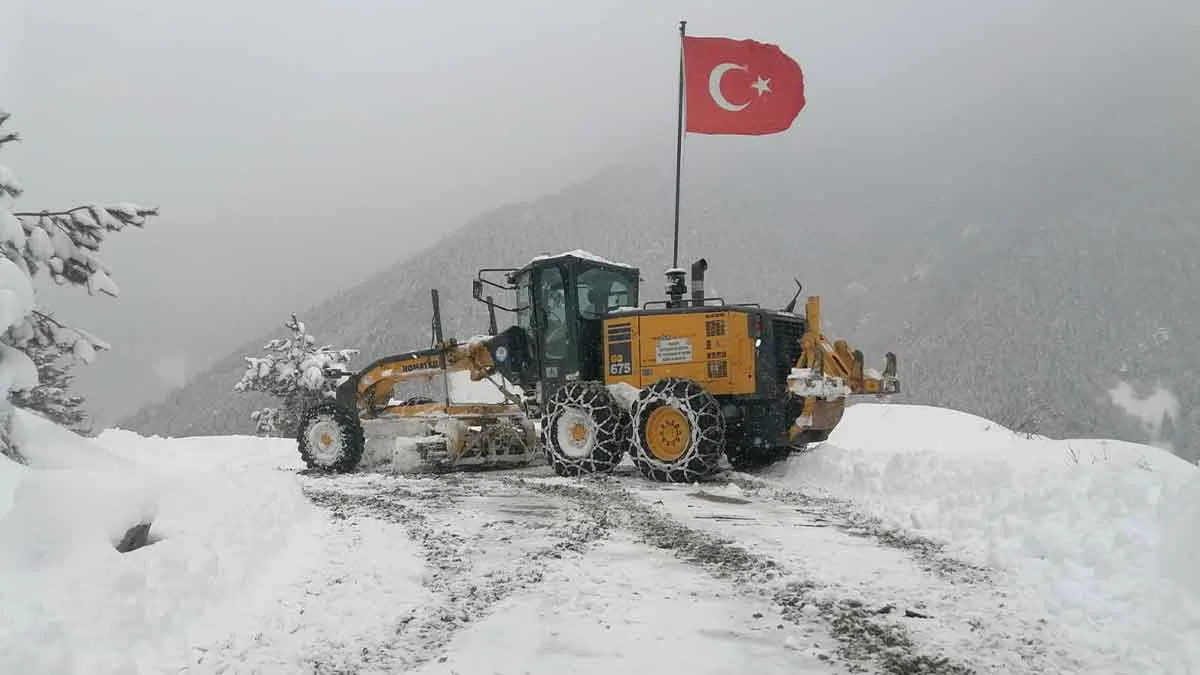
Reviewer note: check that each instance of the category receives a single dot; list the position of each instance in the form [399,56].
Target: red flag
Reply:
[740,86]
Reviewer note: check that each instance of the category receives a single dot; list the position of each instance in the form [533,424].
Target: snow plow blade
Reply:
[449,439]
[826,375]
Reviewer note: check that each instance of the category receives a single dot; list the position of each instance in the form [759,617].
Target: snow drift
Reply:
[1108,532]
[72,494]
[72,603]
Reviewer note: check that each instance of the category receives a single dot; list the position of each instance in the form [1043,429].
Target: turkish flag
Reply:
[740,86]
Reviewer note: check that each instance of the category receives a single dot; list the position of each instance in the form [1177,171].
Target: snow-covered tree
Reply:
[52,397]
[64,243]
[297,372]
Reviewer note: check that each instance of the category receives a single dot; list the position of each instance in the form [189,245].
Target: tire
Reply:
[330,438]
[678,432]
[584,430]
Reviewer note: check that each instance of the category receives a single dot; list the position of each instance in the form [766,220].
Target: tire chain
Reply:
[612,429]
[707,441]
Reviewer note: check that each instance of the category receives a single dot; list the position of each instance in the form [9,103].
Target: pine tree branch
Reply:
[41,316]
[40,319]
[88,208]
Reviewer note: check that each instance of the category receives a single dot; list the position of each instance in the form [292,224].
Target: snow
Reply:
[687,626]
[803,382]
[841,566]
[406,456]
[625,394]
[1087,548]
[39,243]
[580,254]
[46,445]
[1149,409]
[465,390]
[11,475]
[333,584]
[64,248]
[16,293]
[99,282]
[219,523]
[11,231]
[17,370]
[476,341]
[1105,531]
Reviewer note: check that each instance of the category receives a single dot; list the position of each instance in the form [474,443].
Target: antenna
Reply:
[791,306]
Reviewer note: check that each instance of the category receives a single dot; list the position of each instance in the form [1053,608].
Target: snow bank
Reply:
[46,445]
[72,496]
[72,603]
[1108,531]
[11,475]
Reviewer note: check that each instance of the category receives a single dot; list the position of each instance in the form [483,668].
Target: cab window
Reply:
[600,291]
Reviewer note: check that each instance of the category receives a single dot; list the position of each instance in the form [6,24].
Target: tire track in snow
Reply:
[997,626]
[475,556]
[929,555]
[865,636]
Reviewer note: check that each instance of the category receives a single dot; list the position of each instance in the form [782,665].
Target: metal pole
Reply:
[439,340]
[678,146]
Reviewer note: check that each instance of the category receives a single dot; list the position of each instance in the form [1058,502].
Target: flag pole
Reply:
[678,145]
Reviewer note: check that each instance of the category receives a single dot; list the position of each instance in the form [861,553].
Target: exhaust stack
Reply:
[698,269]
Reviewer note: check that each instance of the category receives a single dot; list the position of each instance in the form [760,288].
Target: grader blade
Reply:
[449,442]
[826,375]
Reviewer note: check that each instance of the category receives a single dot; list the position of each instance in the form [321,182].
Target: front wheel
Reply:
[678,431]
[330,438]
[584,430]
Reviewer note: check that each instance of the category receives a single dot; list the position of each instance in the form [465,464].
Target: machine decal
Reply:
[673,350]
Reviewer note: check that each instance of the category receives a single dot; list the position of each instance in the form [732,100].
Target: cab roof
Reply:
[577,254]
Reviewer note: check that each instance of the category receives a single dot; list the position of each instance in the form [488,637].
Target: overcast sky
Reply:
[295,147]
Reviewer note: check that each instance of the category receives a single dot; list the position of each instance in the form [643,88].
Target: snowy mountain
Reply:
[1010,277]
[887,549]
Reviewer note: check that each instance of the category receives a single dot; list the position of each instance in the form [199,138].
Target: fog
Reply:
[294,148]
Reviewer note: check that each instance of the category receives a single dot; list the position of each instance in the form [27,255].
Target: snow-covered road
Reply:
[986,554]
[524,572]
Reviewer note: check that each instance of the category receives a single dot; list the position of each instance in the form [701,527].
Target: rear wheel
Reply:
[584,430]
[330,438]
[678,431]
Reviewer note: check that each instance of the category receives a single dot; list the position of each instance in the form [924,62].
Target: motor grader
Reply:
[589,373]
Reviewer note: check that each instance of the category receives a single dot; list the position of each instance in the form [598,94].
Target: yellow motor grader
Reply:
[589,373]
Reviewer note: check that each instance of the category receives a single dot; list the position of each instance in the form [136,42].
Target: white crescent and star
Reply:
[762,85]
